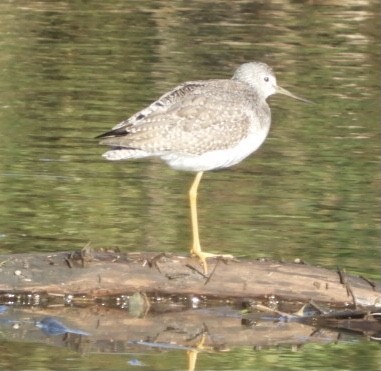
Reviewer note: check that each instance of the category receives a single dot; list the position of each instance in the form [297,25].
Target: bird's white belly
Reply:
[219,158]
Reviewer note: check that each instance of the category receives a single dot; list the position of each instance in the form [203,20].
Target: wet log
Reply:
[92,276]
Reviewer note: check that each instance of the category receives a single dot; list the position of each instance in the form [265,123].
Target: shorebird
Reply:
[200,126]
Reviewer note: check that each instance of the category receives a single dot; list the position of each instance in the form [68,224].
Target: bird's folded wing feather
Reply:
[161,105]
[193,118]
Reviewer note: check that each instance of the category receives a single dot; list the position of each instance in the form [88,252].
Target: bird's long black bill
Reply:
[113,133]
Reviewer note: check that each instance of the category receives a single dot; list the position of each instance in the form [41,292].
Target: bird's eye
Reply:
[267,79]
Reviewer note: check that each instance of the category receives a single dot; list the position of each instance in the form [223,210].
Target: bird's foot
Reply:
[204,255]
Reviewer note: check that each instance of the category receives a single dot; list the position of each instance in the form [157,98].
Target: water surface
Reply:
[71,70]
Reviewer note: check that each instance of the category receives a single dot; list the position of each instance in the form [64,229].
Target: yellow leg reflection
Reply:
[192,354]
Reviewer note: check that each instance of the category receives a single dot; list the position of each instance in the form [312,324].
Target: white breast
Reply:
[220,158]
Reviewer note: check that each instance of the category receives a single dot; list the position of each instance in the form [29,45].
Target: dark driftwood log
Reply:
[104,274]
[116,302]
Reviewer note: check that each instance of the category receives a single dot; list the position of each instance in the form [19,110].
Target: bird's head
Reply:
[262,79]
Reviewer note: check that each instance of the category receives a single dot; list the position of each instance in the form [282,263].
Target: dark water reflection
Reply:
[71,70]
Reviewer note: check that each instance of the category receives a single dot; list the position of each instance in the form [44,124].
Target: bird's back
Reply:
[193,118]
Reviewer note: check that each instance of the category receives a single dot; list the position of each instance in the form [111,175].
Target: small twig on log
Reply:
[344,281]
[212,273]
[371,283]
[264,308]
[153,262]
[196,270]
[341,273]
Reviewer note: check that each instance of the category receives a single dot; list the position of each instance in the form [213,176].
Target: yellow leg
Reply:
[196,247]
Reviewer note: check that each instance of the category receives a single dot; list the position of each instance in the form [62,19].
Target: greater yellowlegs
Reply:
[200,126]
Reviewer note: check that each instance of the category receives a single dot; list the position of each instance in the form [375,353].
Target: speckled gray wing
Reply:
[163,103]
[194,118]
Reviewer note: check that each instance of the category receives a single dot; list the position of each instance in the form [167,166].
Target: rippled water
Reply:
[71,70]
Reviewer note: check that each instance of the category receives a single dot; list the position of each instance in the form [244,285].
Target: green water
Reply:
[71,70]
